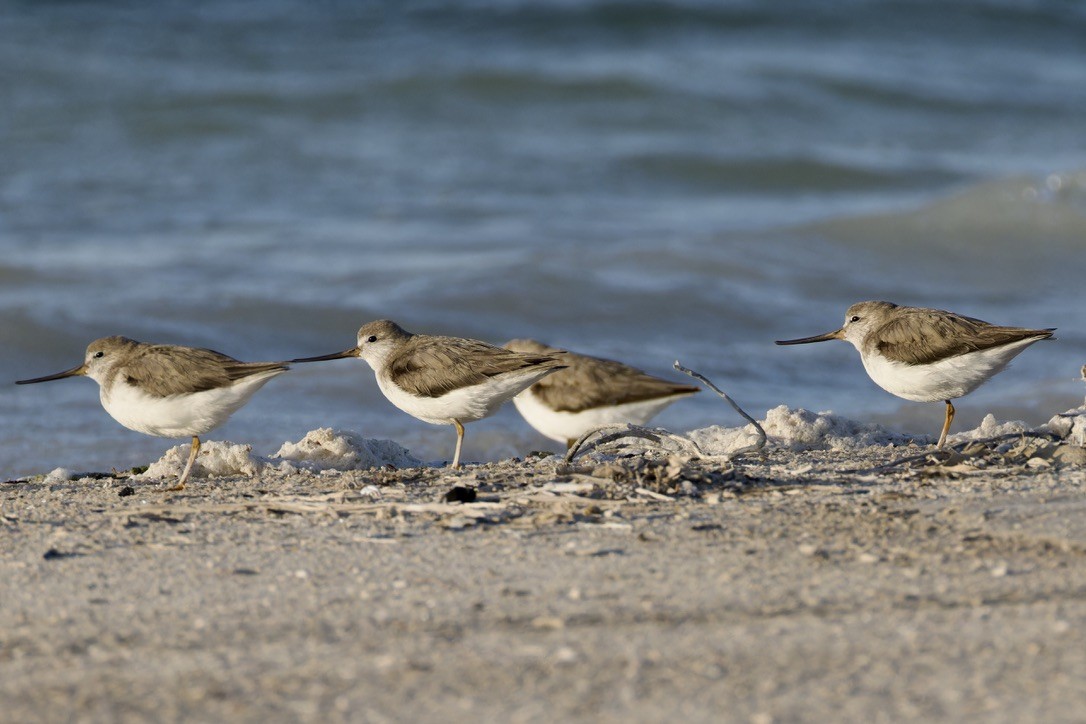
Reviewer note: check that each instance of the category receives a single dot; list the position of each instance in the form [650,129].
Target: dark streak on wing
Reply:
[164,370]
[433,366]
[903,338]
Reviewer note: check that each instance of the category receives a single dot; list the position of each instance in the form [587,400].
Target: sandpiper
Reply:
[167,390]
[590,393]
[443,380]
[927,355]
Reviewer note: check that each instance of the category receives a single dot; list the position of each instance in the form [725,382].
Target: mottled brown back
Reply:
[917,336]
[432,366]
[163,370]
[590,382]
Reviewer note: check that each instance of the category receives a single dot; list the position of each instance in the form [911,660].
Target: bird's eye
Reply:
[371,338]
[99,355]
[854,319]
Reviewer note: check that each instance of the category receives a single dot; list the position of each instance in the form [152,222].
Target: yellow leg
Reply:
[946,425]
[459,443]
[570,441]
[188,467]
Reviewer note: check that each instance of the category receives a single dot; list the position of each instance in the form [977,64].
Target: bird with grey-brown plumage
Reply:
[443,380]
[592,392]
[927,355]
[168,390]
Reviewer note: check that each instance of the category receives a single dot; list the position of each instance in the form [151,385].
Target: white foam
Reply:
[1070,425]
[321,449]
[989,427]
[328,449]
[216,459]
[58,475]
[798,430]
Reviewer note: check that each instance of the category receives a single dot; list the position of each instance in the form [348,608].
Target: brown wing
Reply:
[927,335]
[164,370]
[433,366]
[593,382]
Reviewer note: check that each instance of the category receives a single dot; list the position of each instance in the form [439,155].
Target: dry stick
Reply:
[756,447]
[956,448]
[611,433]
[931,454]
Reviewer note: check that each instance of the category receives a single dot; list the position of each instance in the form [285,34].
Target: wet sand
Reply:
[802,586]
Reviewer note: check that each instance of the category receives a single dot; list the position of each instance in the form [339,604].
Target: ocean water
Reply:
[644,180]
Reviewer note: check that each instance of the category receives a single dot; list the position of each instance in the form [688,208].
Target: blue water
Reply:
[639,180]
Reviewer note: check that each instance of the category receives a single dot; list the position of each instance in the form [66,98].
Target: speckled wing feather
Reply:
[432,366]
[591,382]
[165,370]
[922,336]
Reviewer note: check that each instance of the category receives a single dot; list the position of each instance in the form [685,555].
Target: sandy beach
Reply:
[878,583]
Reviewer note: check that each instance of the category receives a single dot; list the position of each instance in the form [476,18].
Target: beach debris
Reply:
[754,447]
[370,492]
[1069,426]
[661,438]
[637,478]
[1007,452]
[460,494]
[612,433]
[659,479]
[54,554]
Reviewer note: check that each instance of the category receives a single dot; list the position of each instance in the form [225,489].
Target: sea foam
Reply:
[798,430]
[321,449]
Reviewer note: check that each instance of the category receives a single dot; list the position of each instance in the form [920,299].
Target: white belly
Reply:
[564,426]
[179,415]
[947,379]
[465,404]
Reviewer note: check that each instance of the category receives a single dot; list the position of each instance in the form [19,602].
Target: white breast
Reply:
[564,426]
[946,379]
[179,415]
[465,404]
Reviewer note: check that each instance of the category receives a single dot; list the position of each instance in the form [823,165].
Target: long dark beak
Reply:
[352,352]
[817,338]
[73,372]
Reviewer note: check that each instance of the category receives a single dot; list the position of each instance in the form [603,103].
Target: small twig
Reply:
[1050,436]
[610,433]
[945,454]
[756,447]
[955,448]
[653,494]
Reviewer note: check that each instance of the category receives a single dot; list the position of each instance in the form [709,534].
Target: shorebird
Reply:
[168,390]
[927,355]
[590,393]
[443,380]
